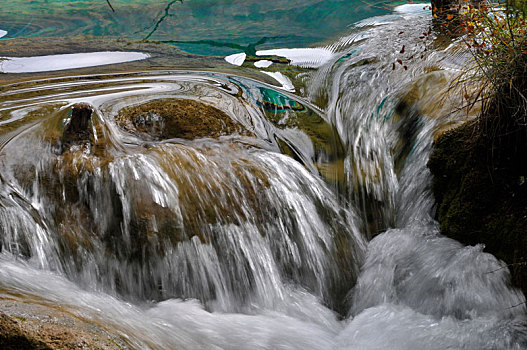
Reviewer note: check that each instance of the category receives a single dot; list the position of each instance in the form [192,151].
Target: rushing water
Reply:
[258,240]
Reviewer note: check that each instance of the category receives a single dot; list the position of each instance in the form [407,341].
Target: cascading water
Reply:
[219,221]
[226,243]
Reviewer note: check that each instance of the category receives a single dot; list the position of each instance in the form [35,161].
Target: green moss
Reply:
[480,193]
[169,118]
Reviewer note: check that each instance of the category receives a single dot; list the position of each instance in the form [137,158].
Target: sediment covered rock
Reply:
[27,326]
[177,118]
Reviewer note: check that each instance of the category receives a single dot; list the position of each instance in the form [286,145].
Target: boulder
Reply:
[177,118]
[481,192]
[79,128]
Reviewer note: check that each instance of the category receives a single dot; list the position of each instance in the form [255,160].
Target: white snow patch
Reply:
[413,9]
[307,57]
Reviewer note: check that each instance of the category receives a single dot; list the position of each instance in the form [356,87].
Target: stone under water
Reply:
[177,118]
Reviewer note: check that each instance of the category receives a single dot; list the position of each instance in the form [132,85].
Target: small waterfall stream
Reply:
[311,229]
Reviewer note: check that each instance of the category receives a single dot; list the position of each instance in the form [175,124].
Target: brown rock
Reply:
[13,338]
[28,326]
[177,118]
[79,128]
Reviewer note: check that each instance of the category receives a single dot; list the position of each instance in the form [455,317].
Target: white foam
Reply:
[178,324]
[236,59]
[434,275]
[66,61]
[396,327]
[2,33]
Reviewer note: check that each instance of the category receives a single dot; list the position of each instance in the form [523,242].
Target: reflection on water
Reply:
[200,26]
[307,57]
[67,61]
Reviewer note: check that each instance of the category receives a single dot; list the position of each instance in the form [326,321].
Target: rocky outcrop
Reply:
[480,185]
[79,128]
[12,337]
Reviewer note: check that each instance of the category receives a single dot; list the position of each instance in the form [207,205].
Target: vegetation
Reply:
[480,169]
[498,41]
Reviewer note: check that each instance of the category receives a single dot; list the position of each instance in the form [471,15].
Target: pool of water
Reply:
[207,27]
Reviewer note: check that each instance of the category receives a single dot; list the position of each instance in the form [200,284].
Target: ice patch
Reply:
[308,57]
[413,9]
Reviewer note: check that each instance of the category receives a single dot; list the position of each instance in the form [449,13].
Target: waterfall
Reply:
[252,240]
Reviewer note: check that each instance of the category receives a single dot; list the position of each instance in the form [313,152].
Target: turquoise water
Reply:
[206,27]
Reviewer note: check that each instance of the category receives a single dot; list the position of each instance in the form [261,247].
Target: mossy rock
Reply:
[431,96]
[219,201]
[177,118]
[72,178]
[481,193]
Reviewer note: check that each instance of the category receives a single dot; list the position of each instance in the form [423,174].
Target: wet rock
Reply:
[177,118]
[79,129]
[13,338]
[27,326]
[97,203]
[295,124]
[436,96]
[481,192]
